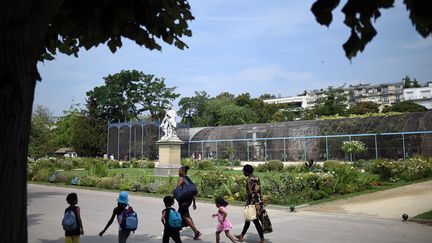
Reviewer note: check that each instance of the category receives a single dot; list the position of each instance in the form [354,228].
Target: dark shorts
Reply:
[184,208]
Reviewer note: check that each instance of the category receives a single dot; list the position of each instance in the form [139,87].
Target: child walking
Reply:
[72,234]
[171,229]
[223,223]
[122,204]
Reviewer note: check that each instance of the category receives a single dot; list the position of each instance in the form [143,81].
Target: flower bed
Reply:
[292,185]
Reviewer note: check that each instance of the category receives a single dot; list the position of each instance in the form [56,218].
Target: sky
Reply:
[259,47]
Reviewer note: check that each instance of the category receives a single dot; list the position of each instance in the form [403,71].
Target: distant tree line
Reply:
[133,95]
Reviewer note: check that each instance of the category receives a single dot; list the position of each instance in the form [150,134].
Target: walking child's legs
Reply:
[165,236]
[72,239]
[227,233]
[218,236]
[175,235]
[123,235]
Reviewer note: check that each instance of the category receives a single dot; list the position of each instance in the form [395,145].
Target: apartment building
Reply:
[384,95]
[421,95]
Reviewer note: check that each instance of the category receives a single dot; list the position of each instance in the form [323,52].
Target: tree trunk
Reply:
[23,25]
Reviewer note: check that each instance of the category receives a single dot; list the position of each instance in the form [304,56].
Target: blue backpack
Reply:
[175,220]
[69,221]
[129,219]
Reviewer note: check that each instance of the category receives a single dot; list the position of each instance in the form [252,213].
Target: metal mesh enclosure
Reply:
[395,137]
[133,140]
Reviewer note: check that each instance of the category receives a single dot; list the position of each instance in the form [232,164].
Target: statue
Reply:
[169,125]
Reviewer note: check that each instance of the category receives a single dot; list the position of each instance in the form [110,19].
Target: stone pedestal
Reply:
[169,157]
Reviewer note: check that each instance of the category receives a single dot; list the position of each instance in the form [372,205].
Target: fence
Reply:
[395,145]
[138,139]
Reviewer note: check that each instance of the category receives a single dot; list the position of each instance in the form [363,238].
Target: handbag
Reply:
[250,213]
[265,222]
[185,192]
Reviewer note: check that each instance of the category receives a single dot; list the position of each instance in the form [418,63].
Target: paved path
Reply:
[46,205]
[412,199]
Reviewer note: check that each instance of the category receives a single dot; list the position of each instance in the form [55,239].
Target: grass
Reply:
[426,215]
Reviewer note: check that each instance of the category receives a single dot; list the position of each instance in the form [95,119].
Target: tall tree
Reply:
[63,133]
[36,30]
[408,83]
[154,96]
[192,107]
[331,103]
[127,94]
[361,108]
[41,134]
[89,136]
[117,98]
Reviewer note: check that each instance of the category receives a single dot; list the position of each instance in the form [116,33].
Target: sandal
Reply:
[261,241]
[197,236]
[239,237]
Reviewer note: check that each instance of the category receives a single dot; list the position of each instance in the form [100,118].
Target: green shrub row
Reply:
[293,184]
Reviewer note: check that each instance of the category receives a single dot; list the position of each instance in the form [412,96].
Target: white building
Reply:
[299,101]
[421,96]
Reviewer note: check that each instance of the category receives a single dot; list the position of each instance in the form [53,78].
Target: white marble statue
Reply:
[169,125]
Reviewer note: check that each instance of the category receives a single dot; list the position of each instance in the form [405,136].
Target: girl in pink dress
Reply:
[223,223]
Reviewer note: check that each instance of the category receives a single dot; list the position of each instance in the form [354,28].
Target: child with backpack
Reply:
[223,223]
[71,222]
[172,221]
[126,217]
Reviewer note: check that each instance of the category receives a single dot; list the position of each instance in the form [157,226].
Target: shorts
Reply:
[72,239]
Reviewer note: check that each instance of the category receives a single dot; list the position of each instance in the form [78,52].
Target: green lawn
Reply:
[426,215]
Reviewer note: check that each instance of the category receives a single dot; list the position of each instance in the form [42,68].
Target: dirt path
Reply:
[391,204]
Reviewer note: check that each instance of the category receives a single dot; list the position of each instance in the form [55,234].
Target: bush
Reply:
[226,162]
[126,164]
[66,165]
[216,183]
[107,183]
[205,164]
[188,162]
[154,186]
[296,169]
[42,174]
[113,164]
[262,168]
[142,164]
[275,165]
[361,164]
[98,169]
[149,164]
[64,178]
[416,168]
[346,177]
[331,165]
[89,180]
[387,169]
[353,146]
